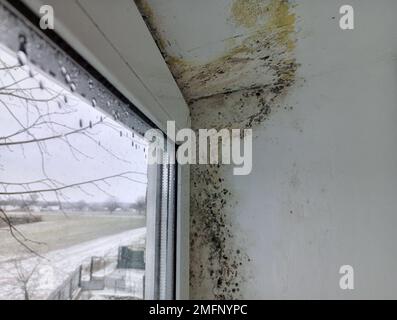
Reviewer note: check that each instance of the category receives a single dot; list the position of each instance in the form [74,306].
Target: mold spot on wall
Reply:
[215,260]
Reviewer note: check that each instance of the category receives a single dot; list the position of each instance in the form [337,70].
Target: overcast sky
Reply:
[109,151]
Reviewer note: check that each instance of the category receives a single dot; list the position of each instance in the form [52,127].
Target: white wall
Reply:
[323,192]
[323,188]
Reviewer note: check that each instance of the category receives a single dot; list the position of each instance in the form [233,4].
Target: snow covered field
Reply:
[49,273]
[41,276]
[57,231]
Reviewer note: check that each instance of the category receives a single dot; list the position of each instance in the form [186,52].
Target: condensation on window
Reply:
[18,35]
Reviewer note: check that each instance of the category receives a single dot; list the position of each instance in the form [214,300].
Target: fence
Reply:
[68,289]
[131,258]
[122,282]
[93,276]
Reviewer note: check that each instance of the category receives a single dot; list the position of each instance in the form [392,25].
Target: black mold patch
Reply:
[214,263]
[217,260]
[239,90]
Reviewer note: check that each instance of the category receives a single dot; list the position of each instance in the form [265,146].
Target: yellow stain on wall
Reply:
[266,16]
[282,22]
[246,13]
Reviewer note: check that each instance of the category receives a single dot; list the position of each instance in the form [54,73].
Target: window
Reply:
[82,215]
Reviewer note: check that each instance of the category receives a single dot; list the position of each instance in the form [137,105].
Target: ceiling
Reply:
[224,46]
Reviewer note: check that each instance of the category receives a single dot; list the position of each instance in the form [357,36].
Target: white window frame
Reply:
[83,25]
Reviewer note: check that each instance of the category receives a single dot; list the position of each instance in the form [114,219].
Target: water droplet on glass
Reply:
[65,98]
[115,115]
[67,78]
[94,103]
[72,87]
[22,58]
[90,84]
[22,42]
[64,71]
[41,84]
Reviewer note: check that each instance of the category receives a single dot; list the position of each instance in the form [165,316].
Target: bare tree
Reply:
[112,204]
[24,278]
[29,104]
[81,205]
[140,205]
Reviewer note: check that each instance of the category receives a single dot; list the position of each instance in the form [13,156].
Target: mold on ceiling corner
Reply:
[258,52]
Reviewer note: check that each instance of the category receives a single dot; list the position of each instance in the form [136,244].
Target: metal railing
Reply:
[69,288]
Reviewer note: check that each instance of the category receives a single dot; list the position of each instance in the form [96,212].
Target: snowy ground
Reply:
[57,231]
[132,279]
[51,272]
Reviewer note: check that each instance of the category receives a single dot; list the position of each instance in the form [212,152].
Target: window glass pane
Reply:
[73,181]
